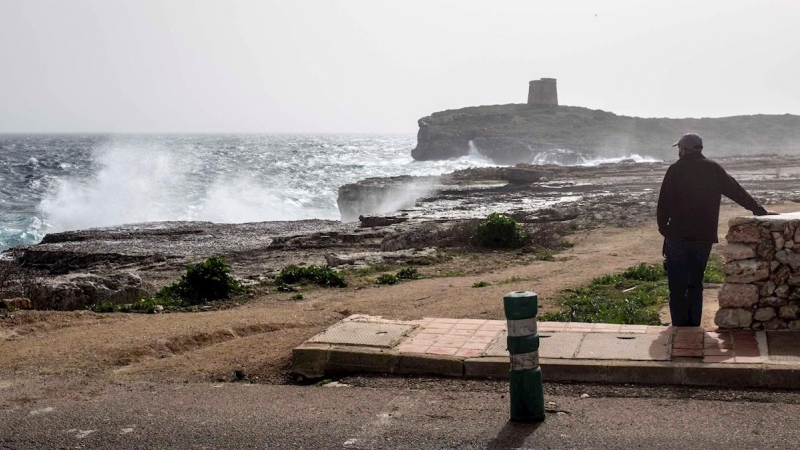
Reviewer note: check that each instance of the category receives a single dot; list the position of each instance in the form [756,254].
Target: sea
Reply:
[51,183]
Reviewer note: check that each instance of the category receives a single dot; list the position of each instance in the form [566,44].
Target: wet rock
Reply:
[426,235]
[409,256]
[733,318]
[733,295]
[380,221]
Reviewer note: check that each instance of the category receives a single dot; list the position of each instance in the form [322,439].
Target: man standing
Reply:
[688,216]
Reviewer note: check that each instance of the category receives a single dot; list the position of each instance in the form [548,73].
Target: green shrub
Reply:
[409,273]
[204,282]
[499,231]
[297,296]
[713,273]
[480,284]
[319,275]
[387,278]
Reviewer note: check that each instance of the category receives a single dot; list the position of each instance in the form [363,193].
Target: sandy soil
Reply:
[257,337]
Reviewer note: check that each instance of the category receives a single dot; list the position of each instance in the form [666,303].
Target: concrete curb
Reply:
[311,360]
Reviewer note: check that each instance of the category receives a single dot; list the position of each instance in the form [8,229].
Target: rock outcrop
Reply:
[762,274]
[510,134]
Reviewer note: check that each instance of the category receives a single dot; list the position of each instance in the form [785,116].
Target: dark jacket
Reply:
[688,204]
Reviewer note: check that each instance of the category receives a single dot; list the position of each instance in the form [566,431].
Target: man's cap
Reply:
[690,141]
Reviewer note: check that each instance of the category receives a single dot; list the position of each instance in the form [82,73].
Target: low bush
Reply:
[297,296]
[387,278]
[320,275]
[480,284]
[409,273]
[499,231]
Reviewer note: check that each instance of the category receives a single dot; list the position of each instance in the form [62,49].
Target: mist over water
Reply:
[51,183]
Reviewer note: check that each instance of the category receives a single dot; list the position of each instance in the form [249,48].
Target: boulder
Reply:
[77,291]
[733,318]
[734,295]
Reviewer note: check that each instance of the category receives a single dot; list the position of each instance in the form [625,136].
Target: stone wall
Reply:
[762,274]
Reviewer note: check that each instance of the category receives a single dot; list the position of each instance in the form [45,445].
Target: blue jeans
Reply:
[685,263]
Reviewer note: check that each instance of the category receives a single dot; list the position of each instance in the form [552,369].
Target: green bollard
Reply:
[525,378]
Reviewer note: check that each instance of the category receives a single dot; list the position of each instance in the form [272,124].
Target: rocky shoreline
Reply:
[394,220]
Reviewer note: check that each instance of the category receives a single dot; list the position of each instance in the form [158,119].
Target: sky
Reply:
[374,66]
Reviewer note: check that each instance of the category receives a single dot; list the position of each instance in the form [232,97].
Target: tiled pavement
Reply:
[470,338]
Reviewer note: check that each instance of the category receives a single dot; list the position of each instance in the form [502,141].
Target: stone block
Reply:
[733,318]
[777,239]
[764,314]
[788,258]
[742,220]
[744,233]
[736,252]
[411,364]
[735,295]
[789,312]
[309,360]
[745,271]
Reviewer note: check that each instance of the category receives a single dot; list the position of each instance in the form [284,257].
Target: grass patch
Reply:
[499,231]
[512,280]
[480,284]
[544,254]
[409,273]
[632,297]
[713,273]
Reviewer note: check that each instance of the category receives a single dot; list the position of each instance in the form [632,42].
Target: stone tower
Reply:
[543,92]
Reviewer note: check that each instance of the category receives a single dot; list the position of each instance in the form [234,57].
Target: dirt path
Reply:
[258,336]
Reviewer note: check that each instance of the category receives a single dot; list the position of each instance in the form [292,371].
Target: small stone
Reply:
[782,291]
[794,325]
[767,289]
[789,311]
[733,318]
[764,314]
[777,238]
[788,244]
[735,295]
[735,252]
[766,250]
[794,280]
[797,235]
[780,275]
[584,395]
[158,308]
[774,324]
[795,294]
[743,233]
[773,302]
[745,271]
[773,266]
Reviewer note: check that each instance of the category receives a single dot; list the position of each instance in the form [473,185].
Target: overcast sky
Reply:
[378,66]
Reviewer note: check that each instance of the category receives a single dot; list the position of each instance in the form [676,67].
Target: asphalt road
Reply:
[385,414]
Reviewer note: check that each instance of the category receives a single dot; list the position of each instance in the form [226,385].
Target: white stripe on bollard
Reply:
[525,361]
[523,327]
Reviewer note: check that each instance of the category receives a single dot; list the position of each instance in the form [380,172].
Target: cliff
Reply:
[509,134]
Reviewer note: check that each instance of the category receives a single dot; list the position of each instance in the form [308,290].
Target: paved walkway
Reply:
[575,351]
